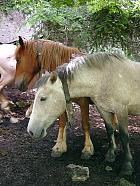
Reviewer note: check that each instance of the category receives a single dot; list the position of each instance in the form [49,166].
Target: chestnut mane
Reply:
[46,54]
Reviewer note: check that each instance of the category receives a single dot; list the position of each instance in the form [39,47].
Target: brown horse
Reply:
[37,55]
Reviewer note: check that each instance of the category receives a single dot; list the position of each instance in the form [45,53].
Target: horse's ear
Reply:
[21,42]
[53,77]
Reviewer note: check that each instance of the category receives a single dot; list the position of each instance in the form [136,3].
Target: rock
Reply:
[13,120]
[1,116]
[78,173]
[3,152]
[108,168]
[124,182]
[1,121]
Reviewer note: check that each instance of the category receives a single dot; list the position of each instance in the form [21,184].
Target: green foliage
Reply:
[91,25]
[6,5]
[113,27]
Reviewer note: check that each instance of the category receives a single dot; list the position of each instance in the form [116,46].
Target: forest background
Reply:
[93,25]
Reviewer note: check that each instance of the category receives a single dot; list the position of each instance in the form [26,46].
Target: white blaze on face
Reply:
[49,104]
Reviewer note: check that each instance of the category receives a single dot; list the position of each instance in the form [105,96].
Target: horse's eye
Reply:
[18,61]
[43,98]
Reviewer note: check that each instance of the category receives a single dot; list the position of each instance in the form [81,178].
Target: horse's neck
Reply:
[7,51]
[82,84]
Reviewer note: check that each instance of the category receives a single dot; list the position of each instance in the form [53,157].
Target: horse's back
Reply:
[7,50]
[118,85]
[7,58]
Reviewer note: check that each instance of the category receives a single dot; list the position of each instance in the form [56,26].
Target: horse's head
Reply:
[48,105]
[26,67]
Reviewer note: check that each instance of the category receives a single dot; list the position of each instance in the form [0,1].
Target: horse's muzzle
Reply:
[39,134]
[21,85]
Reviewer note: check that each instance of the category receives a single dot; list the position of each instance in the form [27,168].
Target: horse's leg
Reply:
[29,111]
[60,146]
[6,78]
[4,102]
[124,137]
[110,124]
[88,149]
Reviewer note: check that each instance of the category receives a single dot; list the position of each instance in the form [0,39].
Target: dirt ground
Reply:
[27,162]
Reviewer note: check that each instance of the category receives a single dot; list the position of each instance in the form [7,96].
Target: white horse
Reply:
[7,74]
[110,80]
[7,71]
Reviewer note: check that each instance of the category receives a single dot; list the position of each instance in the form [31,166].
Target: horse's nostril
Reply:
[21,85]
[42,133]
[23,88]
[31,133]
[37,134]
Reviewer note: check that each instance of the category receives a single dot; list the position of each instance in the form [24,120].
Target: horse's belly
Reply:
[134,109]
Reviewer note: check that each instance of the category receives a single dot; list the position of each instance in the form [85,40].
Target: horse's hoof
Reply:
[6,109]
[86,156]
[56,154]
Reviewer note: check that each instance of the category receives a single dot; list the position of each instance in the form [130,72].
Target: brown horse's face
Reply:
[25,70]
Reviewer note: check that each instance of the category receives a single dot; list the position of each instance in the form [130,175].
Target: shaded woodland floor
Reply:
[27,162]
